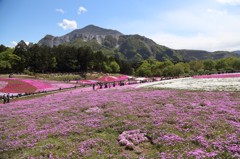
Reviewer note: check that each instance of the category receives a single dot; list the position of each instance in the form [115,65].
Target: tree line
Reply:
[62,58]
[154,68]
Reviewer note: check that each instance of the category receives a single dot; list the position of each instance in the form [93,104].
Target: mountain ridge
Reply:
[87,33]
[237,52]
[128,47]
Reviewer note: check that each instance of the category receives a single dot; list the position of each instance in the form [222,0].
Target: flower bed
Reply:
[15,85]
[226,75]
[97,124]
[40,85]
[3,84]
[207,84]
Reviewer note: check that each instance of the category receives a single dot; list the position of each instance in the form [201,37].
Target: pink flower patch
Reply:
[132,138]
[3,84]
[38,84]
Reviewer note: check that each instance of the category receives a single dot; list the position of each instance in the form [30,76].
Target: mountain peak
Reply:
[91,26]
[86,34]
[96,30]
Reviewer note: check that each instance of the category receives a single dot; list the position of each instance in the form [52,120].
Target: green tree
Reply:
[231,63]
[179,69]
[40,58]
[115,67]
[168,71]
[3,48]
[209,65]
[98,59]
[126,67]
[167,63]
[221,65]
[236,64]
[196,65]
[8,60]
[53,64]
[21,50]
[106,68]
[144,69]
[157,68]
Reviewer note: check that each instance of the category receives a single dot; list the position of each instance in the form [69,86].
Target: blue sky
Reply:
[179,24]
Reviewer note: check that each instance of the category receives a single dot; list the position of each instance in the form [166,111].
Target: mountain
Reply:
[127,47]
[237,52]
[191,55]
[87,33]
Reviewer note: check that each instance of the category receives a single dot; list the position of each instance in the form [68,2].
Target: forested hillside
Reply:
[43,59]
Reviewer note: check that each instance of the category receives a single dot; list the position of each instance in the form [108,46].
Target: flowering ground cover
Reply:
[3,84]
[47,85]
[40,85]
[226,75]
[122,123]
[207,84]
[19,85]
[16,86]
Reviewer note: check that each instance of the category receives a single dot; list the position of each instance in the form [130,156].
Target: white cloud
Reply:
[14,43]
[68,24]
[211,30]
[82,10]
[60,10]
[195,28]
[230,2]
[211,42]
[219,12]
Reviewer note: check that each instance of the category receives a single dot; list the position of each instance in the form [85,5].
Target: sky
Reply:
[210,25]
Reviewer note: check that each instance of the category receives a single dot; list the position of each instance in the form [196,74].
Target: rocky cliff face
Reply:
[87,33]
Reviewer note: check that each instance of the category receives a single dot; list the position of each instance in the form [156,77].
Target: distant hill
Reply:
[237,52]
[127,47]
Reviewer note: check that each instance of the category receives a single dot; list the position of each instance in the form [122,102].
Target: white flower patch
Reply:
[206,84]
[93,110]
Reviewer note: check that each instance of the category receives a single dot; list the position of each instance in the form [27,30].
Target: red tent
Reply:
[108,79]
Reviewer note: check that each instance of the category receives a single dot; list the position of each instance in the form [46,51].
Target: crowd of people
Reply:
[103,85]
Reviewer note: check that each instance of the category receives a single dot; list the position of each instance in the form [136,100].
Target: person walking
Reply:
[4,99]
[8,98]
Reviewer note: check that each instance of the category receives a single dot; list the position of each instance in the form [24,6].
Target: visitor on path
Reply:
[93,86]
[8,98]
[4,99]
